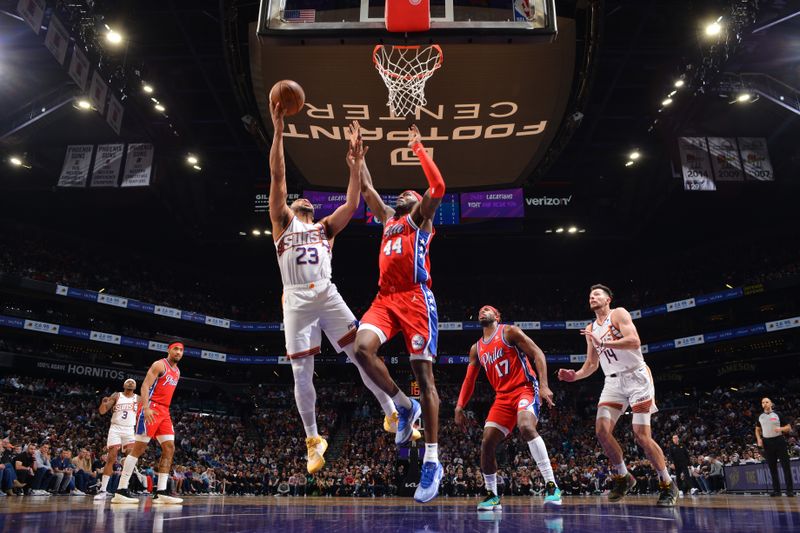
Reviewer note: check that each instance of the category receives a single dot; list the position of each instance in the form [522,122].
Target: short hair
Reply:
[602,288]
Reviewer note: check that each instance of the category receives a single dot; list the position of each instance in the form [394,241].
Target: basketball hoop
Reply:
[404,70]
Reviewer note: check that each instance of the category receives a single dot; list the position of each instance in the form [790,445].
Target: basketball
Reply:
[289,94]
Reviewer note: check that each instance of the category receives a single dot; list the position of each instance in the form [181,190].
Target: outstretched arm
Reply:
[279,212]
[336,221]
[517,337]
[433,196]
[379,209]
[468,387]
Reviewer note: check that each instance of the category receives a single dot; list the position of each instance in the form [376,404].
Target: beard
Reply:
[486,322]
[305,210]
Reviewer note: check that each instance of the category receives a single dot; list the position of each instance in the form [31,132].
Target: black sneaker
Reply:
[668,494]
[622,485]
[775,494]
[790,493]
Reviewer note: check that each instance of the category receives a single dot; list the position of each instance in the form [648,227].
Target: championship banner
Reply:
[107,164]
[695,164]
[79,68]
[725,159]
[98,92]
[33,13]
[755,159]
[115,111]
[138,166]
[57,40]
[76,166]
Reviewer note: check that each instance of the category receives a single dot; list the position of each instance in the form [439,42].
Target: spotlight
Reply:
[743,98]
[673,93]
[572,229]
[83,104]
[191,159]
[197,167]
[16,161]
[559,230]
[159,107]
[267,232]
[679,84]
[256,232]
[548,231]
[666,102]
[147,88]
[635,155]
[243,234]
[629,163]
[113,37]
[582,230]
[714,28]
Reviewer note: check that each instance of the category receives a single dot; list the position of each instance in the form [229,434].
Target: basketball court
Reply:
[579,514]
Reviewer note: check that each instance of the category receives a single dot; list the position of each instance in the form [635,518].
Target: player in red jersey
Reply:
[406,304]
[503,352]
[153,421]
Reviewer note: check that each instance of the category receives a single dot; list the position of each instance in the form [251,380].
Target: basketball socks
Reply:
[163,477]
[664,476]
[431,452]
[305,395]
[491,482]
[621,469]
[539,454]
[386,402]
[104,484]
[127,469]
[401,400]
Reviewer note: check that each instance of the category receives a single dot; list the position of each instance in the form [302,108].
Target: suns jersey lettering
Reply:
[507,368]
[304,253]
[404,261]
[162,390]
[613,360]
[124,410]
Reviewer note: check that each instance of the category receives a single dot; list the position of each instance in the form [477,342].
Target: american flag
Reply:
[300,15]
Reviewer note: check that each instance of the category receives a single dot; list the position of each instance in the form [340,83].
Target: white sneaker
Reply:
[159,498]
[102,495]
[77,492]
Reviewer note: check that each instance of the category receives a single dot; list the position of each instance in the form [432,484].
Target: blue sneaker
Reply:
[406,418]
[552,494]
[490,503]
[428,486]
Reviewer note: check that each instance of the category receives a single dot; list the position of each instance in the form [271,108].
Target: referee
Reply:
[769,436]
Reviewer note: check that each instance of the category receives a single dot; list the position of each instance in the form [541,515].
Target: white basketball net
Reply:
[404,70]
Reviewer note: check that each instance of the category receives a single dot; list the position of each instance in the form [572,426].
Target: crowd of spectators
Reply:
[53,436]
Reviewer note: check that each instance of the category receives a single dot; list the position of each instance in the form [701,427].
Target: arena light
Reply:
[744,98]
[734,389]
[679,83]
[192,159]
[582,230]
[729,285]
[197,167]
[267,232]
[572,229]
[548,231]
[666,101]
[714,28]
[559,230]
[629,163]
[243,234]
[673,93]
[113,37]
[82,104]
[147,88]
[256,232]
[634,155]
[159,107]
[15,161]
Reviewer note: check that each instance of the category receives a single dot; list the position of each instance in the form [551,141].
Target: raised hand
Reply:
[415,135]
[277,112]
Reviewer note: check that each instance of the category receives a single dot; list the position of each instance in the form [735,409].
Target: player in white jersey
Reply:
[612,342]
[311,302]
[121,432]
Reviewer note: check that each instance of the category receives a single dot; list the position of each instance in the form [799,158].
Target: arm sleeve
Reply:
[435,180]
[468,387]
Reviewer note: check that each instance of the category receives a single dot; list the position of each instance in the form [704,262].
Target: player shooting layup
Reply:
[405,303]
[613,343]
[311,302]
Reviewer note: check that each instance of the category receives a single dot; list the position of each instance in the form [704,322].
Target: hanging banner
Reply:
[76,166]
[138,165]
[57,40]
[755,159]
[33,13]
[79,68]
[725,159]
[98,92]
[695,164]
[107,164]
[114,117]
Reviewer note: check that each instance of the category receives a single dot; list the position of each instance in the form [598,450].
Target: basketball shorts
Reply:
[119,435]
[412,312]
[504,411]
[161,427]
[308,310]
[632,388]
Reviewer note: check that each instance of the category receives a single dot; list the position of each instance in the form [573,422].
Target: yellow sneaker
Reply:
[316,449]
[390,425]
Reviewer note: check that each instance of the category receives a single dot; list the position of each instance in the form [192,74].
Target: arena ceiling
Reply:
[193,56]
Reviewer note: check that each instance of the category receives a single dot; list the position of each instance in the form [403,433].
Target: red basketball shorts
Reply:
[503,414]
[412,312]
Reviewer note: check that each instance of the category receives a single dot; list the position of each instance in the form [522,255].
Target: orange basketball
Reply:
[289,94]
